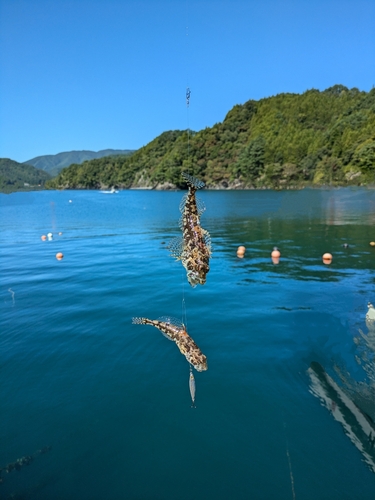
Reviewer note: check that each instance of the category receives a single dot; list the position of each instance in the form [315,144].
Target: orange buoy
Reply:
[43,237]
[59,256]
[372,243]
[327,258]
[241,252]
[275,253]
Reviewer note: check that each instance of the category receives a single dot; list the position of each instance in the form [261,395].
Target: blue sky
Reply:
[97,74]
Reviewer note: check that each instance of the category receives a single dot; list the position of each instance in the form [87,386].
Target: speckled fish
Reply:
[174,330]
[194,248]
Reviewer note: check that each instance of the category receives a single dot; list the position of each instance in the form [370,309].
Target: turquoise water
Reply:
[112,399]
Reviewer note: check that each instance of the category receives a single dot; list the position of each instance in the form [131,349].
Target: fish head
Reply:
[197,277]
[193,278]
[201,366]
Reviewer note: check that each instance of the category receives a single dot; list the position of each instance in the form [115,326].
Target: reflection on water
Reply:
[357,425]
[21,462]
[353,404]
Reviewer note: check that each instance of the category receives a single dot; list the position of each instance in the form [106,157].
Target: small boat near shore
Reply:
[112,191]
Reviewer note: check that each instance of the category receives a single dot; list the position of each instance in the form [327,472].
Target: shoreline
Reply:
[207,188]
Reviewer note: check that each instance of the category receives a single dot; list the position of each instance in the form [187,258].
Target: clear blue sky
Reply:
[97,74]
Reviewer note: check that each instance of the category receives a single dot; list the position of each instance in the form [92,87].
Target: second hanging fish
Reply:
[174,330]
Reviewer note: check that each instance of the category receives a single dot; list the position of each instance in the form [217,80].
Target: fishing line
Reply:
[187,95]
[289,462]
[188,91]
[183,304]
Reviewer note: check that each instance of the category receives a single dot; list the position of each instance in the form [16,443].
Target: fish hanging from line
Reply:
[174,330]
[192,387]
[194,247]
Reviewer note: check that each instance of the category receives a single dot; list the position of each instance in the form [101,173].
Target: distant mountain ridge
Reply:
[54,163]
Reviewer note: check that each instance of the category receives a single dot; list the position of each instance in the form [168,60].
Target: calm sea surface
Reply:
[286,409]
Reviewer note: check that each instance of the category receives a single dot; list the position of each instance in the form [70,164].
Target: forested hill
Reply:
[288,140]
[16,176]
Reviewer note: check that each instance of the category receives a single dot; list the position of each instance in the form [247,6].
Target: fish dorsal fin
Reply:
[176,247]
[192,181]
[171,321]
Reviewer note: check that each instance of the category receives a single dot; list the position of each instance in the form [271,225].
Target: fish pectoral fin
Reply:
[176,247]
[167,336]
[183,202]
[207,239]
[201,207]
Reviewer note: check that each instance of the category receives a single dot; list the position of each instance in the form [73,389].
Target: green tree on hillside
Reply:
[250,164]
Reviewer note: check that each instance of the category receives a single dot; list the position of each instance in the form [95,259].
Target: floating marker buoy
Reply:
[60,234]
[327,258]
[43,237]
[275,253]
[49,236]
[70,201]
[59,256]
[372,243]
[241,252]
[275,260]
[370,316]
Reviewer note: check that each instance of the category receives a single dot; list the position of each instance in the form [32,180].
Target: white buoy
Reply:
[371,312]
[49,236]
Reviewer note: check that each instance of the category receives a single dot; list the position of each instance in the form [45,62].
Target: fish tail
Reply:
[139,321]
[192,181]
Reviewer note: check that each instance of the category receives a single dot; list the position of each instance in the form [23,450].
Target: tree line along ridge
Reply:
[287,140]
